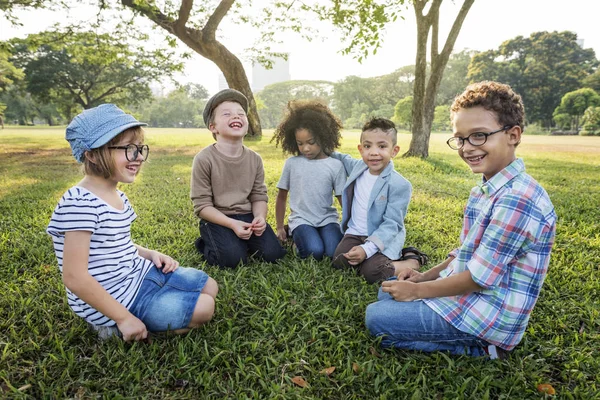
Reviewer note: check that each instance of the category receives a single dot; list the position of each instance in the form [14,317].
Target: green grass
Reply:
[275,322]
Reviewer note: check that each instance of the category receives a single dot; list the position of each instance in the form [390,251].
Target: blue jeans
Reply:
[167,301]
[412,325]
[317,242]
[221,246]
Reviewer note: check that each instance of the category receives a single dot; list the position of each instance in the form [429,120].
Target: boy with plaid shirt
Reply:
[478,301]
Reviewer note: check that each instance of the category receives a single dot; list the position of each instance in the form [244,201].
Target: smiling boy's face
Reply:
[499,149]
[229,120]
[377,149]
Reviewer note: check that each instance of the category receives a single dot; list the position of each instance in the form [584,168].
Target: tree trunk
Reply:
[204,43]
[425,90]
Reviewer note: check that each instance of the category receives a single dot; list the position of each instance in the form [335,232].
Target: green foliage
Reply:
[535,129]
[573,105]
[441,119]
[591,122]
[403,112]
[541,68]
[179,109]
[455,77]
[274,98]
[89,69]
[593,81]
[294,318]
[8,71]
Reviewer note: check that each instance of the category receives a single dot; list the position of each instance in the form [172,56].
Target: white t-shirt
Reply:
[358,222]
[113,260]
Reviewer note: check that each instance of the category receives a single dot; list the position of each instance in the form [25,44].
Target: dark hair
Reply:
[313,116]
[493,96]
[384,124]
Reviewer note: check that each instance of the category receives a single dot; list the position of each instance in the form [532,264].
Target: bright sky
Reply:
[488,24]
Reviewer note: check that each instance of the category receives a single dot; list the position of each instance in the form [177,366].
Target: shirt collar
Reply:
[501,178]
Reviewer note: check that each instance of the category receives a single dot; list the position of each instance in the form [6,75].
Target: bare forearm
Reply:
[434,273]
[215,216]
[454,285]
[280,208]
[259,209]
[91,292]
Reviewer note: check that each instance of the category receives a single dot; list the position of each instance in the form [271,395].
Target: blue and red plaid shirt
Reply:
[508,231]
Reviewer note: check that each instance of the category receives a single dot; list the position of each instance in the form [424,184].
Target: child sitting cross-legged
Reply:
[478,301]
[118,287]
[374,203]
[311,132]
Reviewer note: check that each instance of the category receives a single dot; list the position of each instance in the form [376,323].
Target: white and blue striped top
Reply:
[113,261]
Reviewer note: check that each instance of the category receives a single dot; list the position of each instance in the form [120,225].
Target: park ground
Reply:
[275,323]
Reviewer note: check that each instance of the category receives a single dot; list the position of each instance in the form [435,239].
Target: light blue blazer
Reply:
[388,205]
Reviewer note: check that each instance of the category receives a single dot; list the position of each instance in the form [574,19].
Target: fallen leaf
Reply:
[181,383]
[374,352]
[355,368]
[24,387]
[298,380]
[328,371]
[293,302]
[582,328]
[546,388]
[311,341]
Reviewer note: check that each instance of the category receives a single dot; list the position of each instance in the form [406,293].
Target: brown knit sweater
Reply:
[230,184]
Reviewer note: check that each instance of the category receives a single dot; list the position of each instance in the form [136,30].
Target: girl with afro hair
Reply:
[310,132]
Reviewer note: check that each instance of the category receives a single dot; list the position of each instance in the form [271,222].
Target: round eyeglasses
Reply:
[133,150]
[475,138]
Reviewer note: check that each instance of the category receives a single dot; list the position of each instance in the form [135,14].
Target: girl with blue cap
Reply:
[118,287]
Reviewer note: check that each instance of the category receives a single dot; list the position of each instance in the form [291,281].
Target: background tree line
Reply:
[50,76]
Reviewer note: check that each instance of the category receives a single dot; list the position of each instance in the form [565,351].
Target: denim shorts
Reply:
[167,301]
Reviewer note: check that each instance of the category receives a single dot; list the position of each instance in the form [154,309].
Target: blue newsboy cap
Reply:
[95,127]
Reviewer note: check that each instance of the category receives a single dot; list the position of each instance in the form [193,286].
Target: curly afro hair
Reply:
[493,96]
[313,116]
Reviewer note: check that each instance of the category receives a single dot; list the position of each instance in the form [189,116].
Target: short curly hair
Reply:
[383,124]
[493,96]
[313,116]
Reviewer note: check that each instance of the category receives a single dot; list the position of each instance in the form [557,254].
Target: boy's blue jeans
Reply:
[412,325]
[317,242]
[222,247]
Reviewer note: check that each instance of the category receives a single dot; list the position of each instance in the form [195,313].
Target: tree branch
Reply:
[184,14]
[215,19]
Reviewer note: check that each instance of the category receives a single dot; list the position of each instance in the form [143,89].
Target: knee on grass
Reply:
[204,310]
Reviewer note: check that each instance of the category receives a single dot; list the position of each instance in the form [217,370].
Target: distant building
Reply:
[222,82]
[262,77]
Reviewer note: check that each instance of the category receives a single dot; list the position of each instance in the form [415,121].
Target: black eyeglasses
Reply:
[475,138]
[133,150]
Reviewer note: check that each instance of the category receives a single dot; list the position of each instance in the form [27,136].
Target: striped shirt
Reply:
[508,231]
[113,260]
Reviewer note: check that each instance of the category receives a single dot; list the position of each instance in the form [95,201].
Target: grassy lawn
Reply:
[277,322]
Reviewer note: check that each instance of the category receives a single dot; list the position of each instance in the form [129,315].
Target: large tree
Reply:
[363,20]
[88,69]
[196,26]
[541,68]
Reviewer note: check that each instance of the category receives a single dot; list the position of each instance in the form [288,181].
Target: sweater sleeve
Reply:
[259,188]
[200,185]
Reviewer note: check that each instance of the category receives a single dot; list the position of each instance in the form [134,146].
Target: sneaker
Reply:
[105,332]
[496,353]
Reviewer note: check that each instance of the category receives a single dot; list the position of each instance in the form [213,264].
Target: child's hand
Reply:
[259,225]
[132,329]
[409,274]
[356,255]
[281,235]
[400,290]
[163,261]
[242,229]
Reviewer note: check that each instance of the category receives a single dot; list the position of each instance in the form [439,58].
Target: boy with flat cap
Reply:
[228,189]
